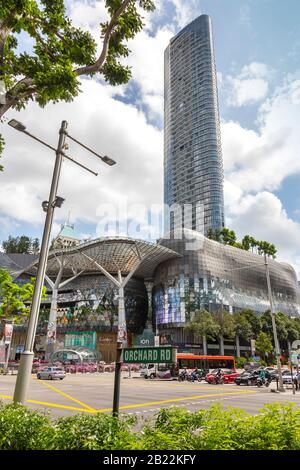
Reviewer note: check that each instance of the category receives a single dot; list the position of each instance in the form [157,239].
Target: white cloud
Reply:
[263,216]
[106,125]
[250,86]
[147,62]
[186,11]
[257,162]
[262,159]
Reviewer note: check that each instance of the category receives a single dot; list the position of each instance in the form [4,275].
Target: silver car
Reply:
[51,373]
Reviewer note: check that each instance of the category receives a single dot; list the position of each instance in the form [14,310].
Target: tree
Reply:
[22,244]
[226,327]
[267,326]
[214,234]
[253,319]
[263,344]
[61,53]
[35,246]
[246,242]
[228,236]
[203,325]
[243,329]
[14,298]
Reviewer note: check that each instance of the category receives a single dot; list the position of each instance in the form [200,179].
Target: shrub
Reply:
[22,429]
[276,427]
[171,430]
[240,362]
[98,432]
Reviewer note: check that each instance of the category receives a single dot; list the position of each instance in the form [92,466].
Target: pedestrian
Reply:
[297,381]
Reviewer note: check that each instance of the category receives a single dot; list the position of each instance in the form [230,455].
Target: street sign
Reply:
[294,358]
[145,355]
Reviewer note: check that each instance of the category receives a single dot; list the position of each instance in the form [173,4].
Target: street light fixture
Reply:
[17,125]
[24,372]
[109,161]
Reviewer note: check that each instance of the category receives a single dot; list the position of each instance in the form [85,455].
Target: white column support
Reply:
[52,323]
[109,276]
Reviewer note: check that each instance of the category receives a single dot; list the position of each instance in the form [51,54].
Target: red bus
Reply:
[191,361]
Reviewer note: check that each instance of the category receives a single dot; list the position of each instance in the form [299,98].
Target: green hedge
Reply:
[275,427]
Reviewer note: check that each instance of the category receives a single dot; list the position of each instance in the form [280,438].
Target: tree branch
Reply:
[15,94]
[96,67]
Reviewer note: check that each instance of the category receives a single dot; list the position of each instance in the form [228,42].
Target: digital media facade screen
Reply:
[85,339]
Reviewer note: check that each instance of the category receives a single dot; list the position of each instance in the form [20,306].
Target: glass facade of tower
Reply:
[193,169]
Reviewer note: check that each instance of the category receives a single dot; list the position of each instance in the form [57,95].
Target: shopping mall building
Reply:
[168,282]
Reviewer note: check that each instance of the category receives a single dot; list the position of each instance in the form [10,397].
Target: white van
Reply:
[148,371]
[155,371]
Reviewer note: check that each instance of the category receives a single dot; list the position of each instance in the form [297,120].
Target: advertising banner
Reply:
[8,331]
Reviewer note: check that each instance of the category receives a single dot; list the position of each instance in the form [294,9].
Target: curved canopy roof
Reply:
[112,253]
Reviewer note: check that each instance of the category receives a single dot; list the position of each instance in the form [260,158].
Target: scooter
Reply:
[260,382]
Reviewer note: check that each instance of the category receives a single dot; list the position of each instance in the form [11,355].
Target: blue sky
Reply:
[257,45]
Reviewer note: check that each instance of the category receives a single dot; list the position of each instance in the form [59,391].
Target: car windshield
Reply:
[57,369]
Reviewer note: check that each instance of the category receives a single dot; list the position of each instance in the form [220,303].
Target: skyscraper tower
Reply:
[193,167]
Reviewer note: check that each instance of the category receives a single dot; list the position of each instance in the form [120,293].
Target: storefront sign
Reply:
[145,339]
[86,339]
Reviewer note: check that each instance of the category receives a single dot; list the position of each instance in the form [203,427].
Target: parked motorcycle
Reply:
[260,382]
[184,375]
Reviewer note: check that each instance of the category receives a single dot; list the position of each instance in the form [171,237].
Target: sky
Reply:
[257,45]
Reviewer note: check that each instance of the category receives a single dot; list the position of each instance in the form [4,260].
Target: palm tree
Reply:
[246,242]
[203,324]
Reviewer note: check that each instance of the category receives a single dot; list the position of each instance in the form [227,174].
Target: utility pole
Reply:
[276,342]
[24,372]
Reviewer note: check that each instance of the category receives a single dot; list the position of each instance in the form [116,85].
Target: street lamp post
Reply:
[24,372]
[276,342]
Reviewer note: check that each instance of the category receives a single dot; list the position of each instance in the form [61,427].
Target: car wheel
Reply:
[61,378]
[38,376]
[152,376]
[50,377]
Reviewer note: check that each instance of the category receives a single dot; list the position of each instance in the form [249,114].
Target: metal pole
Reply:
[276,342]
[117,384]
[292,375]
[25,367]
[121,340]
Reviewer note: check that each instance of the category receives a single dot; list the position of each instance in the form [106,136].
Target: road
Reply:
[92,393]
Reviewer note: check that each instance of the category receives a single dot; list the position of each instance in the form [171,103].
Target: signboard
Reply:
[294,358]
[86,339]
[145,355]
[8,331]
[2,352]
[146,339]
